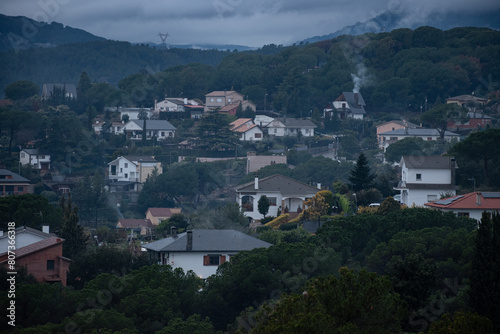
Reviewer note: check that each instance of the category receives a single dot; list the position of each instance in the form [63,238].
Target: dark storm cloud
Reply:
[247,22]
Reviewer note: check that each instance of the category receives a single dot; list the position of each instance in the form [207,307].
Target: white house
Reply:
[36,158]
[280,127]
[161,129]
[128,173]
[246,129]
[387,138]
[349,105]
[133,113]
[284,194]
[469,205]
[201,251]
[425,178]
[262,120]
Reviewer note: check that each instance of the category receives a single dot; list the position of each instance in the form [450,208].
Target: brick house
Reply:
[42,259]
[13,184]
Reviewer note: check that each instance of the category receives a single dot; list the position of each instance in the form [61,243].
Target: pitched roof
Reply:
[228,107]
[354,100]
[153,124]
[140,158]
[222,93]
[163,212]
[38,246]
[6,176]
[35,151]
[244,128]
[487,201]
[466,98]
[428,161]
[277,182]
[208,241]
[134,223]
[239,122]
[296,123]
[402,123]
[417,132]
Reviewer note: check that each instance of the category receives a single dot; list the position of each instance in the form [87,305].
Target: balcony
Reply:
[401,186]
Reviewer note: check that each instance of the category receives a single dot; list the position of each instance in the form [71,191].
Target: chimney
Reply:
[185,100]
[173,232]
[46,229]
[189,244]
[156,104]
[319,186]
[356,99]
[256,184]
[478,198]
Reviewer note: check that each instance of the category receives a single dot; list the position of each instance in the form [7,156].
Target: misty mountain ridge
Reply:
[388,21]
[19,33]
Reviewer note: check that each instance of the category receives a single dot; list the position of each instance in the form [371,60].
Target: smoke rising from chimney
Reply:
[360,78]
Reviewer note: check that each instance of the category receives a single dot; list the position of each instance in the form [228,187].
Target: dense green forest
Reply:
[426,258]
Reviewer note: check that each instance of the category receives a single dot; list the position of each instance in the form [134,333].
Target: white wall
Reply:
[194,261]
[419,197]
[433,176]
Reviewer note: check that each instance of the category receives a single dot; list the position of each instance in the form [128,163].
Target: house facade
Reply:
[37,158]
[470,205]
[256,162]
[284,194]
[426,178]
[219,99]
[13,184]
[391,126]
[349,105]
[387,138]
[280,127]
[246,129]
[42,259]
[161,129]
[201,251]
[128,173]
[156,215]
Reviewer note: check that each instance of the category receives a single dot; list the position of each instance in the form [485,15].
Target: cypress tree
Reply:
[361,176]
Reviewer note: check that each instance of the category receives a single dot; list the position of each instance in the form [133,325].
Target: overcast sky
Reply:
[245,22]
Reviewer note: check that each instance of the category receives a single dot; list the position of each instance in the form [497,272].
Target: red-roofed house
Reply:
[156,215]
[141,225]
[469,205]
[42,259]
[246,129]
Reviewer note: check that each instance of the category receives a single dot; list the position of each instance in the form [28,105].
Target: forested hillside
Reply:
[403,69]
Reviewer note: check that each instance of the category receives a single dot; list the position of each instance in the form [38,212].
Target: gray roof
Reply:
[155,124]
[12,177]
[208,241]
[428,162]
[297,123]
[140,158]
[35,151]
[417,132]
[355,101]
[280,183]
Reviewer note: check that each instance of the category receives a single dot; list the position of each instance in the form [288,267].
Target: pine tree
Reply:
[73,234]
[361,176]
[263,205]
[484,292]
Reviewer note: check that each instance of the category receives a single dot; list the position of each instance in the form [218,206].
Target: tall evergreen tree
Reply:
[263,205]
[484,292]
[361,176]
[82,92]
[75,238]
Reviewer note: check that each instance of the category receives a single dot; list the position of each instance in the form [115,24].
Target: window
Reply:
[20,189]
[126,165]
[50,264]
[247,203]
[126,175]
[432,198]
[393,138]
[211,99]
[419,177]
[429,138]
[113,170]
[463,214]
[219,99]
[272,201]
[213,259]
[22,155]
[275,130]
[229,100]
[258,135]
[163,134]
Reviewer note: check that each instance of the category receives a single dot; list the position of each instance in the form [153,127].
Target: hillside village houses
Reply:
[426,178]
[281,127]
[347,105]
[160,129]
[219,99]
[387,138]
[246,129]
[285,195]
[128,173]
[471,205]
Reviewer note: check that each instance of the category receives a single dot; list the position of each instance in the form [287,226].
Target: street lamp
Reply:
[265,102]
[356,201]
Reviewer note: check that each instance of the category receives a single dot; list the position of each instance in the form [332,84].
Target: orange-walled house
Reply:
[42,259]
